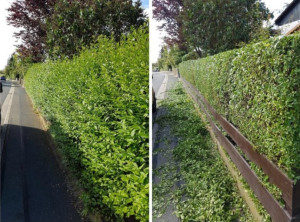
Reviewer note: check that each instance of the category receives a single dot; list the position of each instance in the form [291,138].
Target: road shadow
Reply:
[33,187]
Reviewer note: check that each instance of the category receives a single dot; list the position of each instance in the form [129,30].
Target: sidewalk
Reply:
[162,139]
[33,187]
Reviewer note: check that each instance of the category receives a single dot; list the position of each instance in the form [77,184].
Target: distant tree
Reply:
[17,65]
[75,24]
[170,57]
[169,13]
[214,26]
[30,16]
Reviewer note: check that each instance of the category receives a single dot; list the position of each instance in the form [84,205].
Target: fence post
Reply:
[178,73]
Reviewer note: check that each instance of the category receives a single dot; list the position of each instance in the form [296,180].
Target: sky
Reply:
[8,42]
[145,3]
[156,36]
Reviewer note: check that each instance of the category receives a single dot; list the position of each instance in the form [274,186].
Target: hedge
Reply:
[98,106]
[257,89]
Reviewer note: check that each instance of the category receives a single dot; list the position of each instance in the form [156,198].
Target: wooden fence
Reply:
[290,190]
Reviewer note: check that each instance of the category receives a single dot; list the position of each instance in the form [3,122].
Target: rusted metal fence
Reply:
[290,190]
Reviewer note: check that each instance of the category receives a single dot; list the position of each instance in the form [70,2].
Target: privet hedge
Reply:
[257,89]
[98,101]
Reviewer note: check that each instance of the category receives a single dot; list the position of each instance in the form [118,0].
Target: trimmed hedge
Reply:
[257,89]
[99,101]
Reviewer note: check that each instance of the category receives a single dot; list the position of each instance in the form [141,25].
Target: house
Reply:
[289,20]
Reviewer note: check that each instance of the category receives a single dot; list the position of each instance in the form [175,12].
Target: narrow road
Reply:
[162,82]
[32,185]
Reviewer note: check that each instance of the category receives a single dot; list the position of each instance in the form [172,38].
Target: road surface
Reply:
[33,188]
[159,77]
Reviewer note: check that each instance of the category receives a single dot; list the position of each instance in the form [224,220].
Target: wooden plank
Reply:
[271,205]
[267,200]
[276,176]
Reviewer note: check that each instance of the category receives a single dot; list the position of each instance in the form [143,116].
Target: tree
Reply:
[30,17]
[214,26]
[169,13]
[75,24]
[170,57]
[17,66]
[62,27]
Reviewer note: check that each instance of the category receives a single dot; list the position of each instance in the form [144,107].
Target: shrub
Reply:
[190,56]
[99,100]
[257,89]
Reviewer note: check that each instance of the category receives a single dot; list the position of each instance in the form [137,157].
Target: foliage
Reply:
[17,66]
[204,189]
[99,100]
[168,13]
[189,56]
[59,28]
[30,16]
[78,23]
[256,88]
[210,26]
[170,57]
[214,26]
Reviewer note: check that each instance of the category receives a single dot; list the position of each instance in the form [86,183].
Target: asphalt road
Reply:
[33,187]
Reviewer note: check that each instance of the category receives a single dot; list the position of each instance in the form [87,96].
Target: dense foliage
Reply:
[215,26]
[99,102]
[30,16]
[60,28]
[257,89]
[194,178]
[78,23]
[168,12]
[212,26]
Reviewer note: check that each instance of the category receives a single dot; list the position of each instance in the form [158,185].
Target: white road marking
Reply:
[8,101]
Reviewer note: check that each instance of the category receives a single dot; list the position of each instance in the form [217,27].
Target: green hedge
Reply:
[99,101]
[257,89]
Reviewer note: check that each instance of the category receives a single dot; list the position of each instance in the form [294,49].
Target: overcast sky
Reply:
[275,6]
[7,41]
